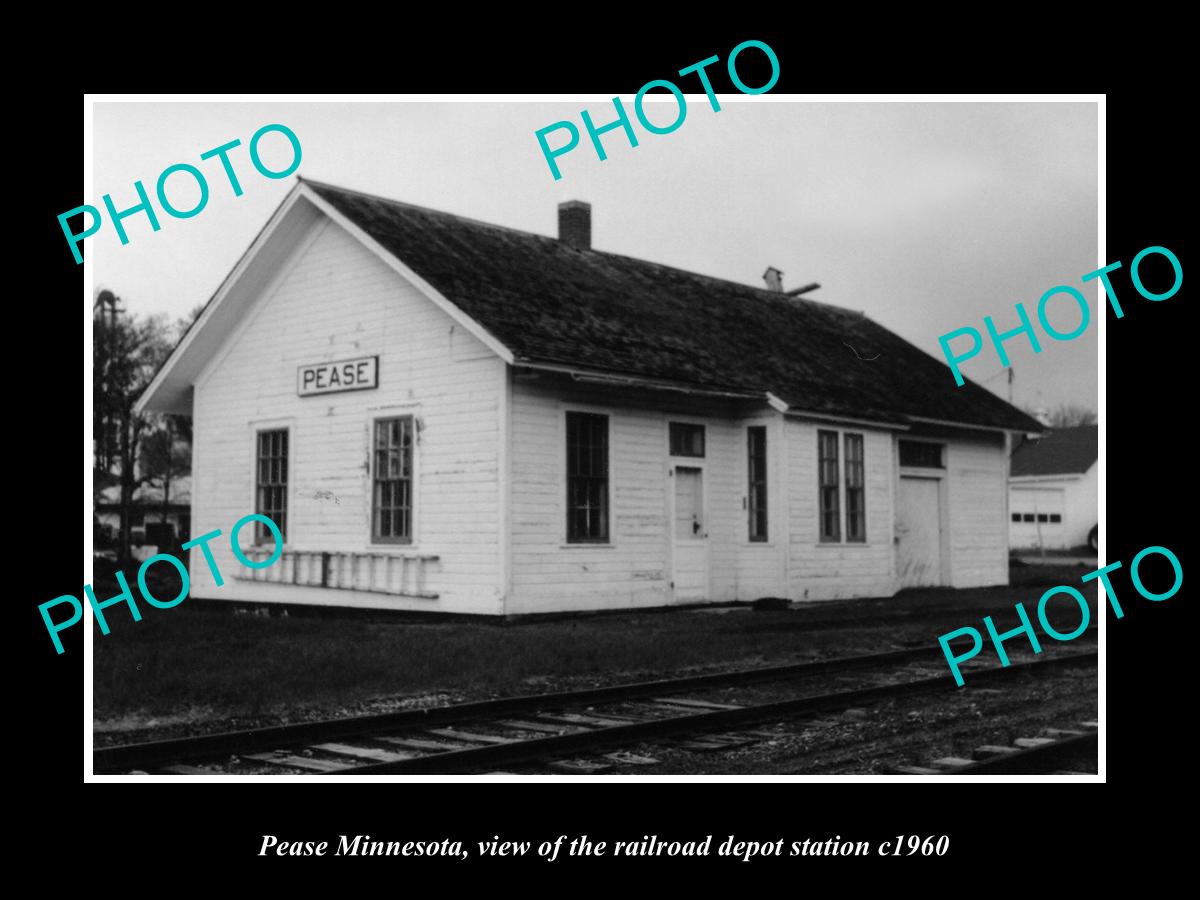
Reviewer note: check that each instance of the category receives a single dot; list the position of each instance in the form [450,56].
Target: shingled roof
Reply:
[1063,451]
[549,302]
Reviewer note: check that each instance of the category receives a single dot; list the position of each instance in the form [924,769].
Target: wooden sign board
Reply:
[334,377]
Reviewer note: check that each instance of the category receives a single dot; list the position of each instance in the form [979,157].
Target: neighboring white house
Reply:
[1053,490]
[452,416]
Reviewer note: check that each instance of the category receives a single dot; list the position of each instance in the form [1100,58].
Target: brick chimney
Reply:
[575,224]
[774,279]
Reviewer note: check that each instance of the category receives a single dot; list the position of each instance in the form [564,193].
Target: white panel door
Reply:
[691,536]
[919,533]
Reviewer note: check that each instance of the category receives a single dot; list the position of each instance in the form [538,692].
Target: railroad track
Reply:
[546,728]
[1044,754]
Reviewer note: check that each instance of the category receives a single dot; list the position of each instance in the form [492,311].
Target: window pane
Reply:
[756,452]
[856,518]
[829,514]
[686,439]
[271,481]
[921,453]
[587,477]
[392,479]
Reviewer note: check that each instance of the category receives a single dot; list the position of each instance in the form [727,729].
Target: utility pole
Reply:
[119,418]
[166,498]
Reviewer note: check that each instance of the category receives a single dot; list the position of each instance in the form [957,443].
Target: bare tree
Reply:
[1067,415]
[1070,415]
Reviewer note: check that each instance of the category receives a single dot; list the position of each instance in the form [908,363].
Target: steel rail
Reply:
[491,755]
[1019,761]
[154,754]
[177,750]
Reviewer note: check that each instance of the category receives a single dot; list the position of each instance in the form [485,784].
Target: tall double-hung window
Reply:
[392,481]
[587,478]
[841,497]
[270,482]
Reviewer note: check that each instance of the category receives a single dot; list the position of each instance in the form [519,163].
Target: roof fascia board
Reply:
[601,377]
[443,303]
[1034,479]
[849,420]
[928,421]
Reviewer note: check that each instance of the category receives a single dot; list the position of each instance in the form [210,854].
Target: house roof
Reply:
[552,303]
[1063,451]
[548,303]
[150,493]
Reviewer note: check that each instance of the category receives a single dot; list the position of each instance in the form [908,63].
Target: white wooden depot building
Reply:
[453,416]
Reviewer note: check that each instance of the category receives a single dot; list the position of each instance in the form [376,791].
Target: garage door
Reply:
[1036,518]
[919,532]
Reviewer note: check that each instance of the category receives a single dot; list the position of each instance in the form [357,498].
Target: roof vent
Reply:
[796,292]
[774,279]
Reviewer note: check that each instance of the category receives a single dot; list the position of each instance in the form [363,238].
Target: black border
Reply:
[210,837]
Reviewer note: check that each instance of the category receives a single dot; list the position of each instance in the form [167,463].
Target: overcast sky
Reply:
[927,217]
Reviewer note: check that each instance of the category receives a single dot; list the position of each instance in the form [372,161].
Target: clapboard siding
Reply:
[336,300]
[547,575]
[977,476]
[819,571]
[635,568]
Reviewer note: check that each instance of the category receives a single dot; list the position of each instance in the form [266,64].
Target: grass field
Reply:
[182,667]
